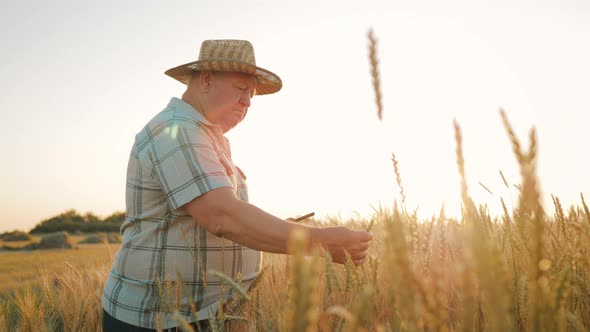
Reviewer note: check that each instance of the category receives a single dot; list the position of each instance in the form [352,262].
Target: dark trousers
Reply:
[111,324]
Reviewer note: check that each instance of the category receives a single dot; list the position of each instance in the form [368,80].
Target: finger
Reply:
[359,254]
[363,246]
[358,262]
[364,236]
[359,246]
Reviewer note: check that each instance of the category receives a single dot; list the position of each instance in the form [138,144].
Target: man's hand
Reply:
[339,241]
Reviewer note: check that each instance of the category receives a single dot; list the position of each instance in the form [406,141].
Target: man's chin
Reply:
[225,127]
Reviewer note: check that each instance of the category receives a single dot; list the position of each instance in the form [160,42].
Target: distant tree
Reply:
[115,218]
[113,222]
[71,221]
[62,222]
[90,217]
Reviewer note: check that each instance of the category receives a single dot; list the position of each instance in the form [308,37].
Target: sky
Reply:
[79,80]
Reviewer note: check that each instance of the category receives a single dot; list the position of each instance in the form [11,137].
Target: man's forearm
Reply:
[221,214]
[250,226]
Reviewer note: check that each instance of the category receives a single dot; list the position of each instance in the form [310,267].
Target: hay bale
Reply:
[57,240]
[15,236]
[30,246]
[92,239]
[101,238]
[114,238]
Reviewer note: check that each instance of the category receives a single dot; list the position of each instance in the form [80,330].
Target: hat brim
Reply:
[268,82]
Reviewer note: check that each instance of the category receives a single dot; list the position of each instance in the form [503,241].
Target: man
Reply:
[187,203]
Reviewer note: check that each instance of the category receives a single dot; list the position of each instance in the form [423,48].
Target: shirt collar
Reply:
[190,111]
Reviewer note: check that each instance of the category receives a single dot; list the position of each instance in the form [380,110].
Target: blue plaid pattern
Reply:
[163,265]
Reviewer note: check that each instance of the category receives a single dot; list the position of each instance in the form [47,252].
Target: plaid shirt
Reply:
[165,260]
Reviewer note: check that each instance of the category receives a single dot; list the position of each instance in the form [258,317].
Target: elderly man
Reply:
[187,203]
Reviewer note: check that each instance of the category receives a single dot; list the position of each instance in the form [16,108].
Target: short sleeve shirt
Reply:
[165,263]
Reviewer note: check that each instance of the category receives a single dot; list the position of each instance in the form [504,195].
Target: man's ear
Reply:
[205,80]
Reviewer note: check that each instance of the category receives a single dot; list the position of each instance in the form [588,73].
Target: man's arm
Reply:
[221,213]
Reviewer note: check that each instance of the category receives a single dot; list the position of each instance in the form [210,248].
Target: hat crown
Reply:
[227,50]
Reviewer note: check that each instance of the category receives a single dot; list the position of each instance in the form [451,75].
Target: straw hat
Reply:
[228,55]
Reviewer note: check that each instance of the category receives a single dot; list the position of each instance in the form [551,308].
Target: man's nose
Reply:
[245,100]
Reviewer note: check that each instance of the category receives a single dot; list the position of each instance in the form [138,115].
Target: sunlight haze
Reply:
[79,82]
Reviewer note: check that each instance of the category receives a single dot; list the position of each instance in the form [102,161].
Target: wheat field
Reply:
[523,270]
[518,272]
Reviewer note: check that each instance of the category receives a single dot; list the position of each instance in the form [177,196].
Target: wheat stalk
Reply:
[304,296]
[586,210]
[504,179]
[468,205]
[513,139]
[375,73]
[398,178]
[486,188]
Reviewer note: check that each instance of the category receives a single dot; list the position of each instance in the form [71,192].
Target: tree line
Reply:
[72,222]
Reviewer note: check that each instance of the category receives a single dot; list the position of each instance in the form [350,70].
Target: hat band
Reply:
[224,65]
